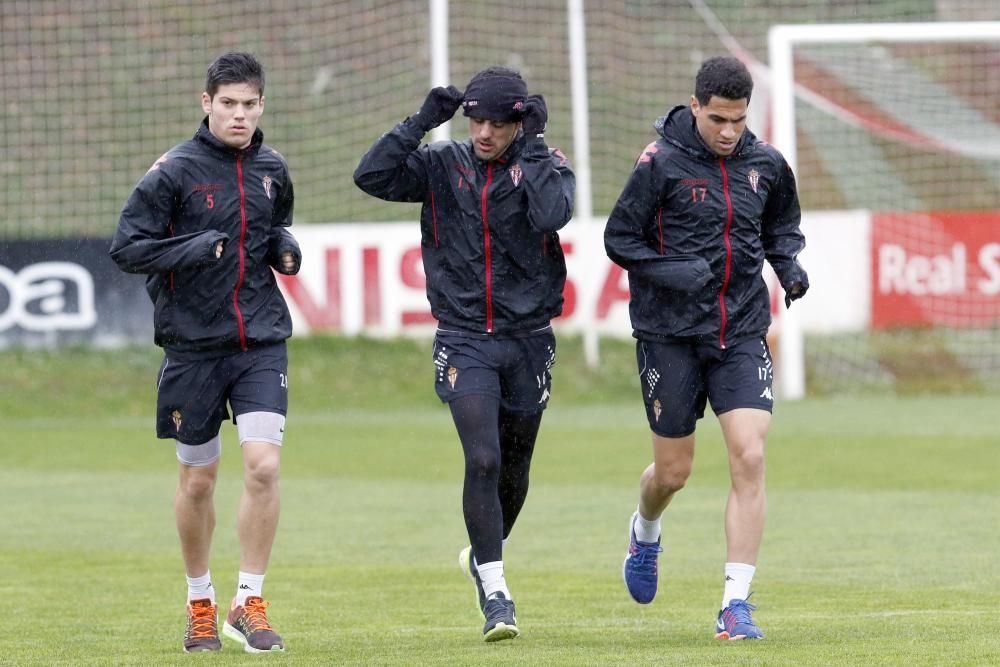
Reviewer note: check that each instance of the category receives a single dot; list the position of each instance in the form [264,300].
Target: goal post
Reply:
[883,92]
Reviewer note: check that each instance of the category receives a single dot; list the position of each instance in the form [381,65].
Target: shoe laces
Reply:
[740,609]
[201,622]
[643,556]
[255,610]
[497,607]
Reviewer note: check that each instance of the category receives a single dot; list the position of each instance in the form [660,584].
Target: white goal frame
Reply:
[781,41]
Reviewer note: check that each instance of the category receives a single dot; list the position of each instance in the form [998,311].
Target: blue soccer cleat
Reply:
[468,565]
[734,622]
[639,569]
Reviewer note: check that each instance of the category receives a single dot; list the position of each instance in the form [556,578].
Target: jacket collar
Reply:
[678,127]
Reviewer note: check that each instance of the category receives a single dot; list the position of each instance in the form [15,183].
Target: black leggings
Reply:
[498,445]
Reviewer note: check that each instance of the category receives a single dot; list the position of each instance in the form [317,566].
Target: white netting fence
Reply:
[95,90]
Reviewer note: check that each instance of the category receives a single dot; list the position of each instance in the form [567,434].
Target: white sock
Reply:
[491,574]
[645,530]
[201,587]
[249,585]
[738,578]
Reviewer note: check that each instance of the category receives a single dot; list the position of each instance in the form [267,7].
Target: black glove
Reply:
[796,291]
[439,107]
[535,116]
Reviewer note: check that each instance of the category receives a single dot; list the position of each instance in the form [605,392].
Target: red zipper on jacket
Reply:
[243,235]
[486,248]
[729,251]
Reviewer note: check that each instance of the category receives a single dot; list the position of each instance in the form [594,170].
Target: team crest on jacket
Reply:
[515,174]
[452,376]
[754,178]
[267,185]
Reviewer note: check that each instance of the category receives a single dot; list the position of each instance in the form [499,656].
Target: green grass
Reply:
[881,546]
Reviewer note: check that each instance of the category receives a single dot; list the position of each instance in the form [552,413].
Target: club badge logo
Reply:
[515,174]
[176,416]
[657,409]
[754,177]
[452,376]
[267,186]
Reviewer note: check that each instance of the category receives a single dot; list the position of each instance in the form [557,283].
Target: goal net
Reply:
[894,133]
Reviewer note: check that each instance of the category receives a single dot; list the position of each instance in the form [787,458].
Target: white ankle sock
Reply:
[491,574]
[249,585]
[738,578]
[200,588]
[646,530]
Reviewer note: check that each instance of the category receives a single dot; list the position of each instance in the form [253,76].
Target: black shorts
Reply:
[678,378]
[192,395]
[517,371]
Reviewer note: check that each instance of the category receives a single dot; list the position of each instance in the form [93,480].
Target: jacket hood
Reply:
[205,136]
[678,127]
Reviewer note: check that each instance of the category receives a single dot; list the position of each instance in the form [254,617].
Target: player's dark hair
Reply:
[234,67]
[723,76]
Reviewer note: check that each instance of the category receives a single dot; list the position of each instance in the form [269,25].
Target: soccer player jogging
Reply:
[491,207]
[705,205]
[206,224]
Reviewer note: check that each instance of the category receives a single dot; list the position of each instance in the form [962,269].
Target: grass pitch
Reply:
[881,546]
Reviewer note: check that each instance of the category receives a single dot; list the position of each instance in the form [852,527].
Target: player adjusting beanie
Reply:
[496,93]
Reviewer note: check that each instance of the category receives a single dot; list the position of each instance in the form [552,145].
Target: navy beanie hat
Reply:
[496,93]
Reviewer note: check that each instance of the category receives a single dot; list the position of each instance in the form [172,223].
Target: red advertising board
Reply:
[937,269]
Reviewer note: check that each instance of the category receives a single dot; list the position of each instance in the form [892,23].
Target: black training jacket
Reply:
[693,230]
[198,193]
[488,229]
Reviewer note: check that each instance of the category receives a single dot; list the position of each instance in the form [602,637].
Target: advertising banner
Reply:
[68,291]
[938,269]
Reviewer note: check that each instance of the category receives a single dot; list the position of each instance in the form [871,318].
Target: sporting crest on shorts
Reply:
[657,409]
[515,174]
[176,417]
[754,178]
[452,376]
[267,185]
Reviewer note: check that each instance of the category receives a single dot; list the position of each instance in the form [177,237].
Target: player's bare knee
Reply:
[670,479]
[747,462]
[197,483]
[262,472]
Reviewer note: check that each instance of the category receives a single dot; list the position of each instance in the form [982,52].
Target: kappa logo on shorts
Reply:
[657,409]
[452,376]
[176,416]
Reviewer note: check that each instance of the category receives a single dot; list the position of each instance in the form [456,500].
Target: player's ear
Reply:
[206,103]
[261,103]
[695,106]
